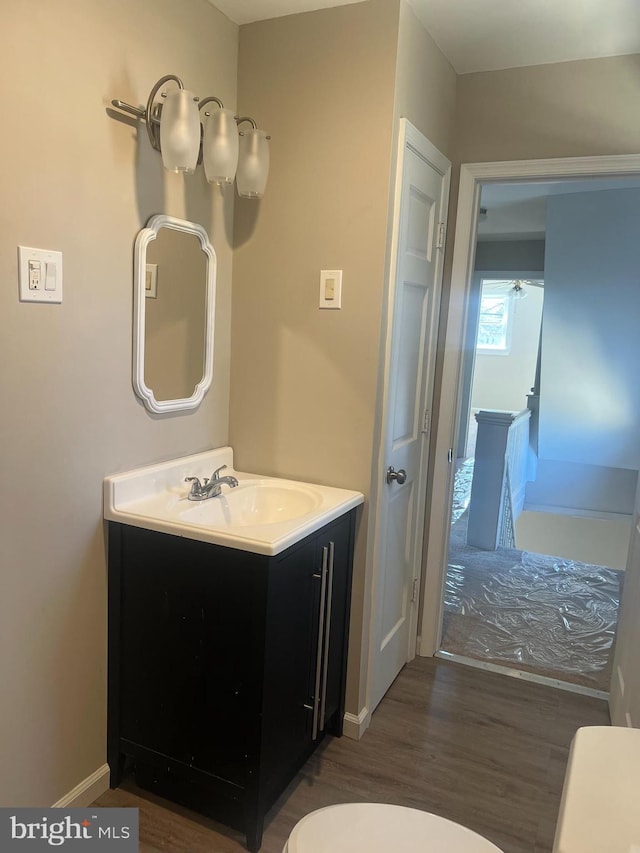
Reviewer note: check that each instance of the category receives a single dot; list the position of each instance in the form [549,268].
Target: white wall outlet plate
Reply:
[330,288]
[39,275]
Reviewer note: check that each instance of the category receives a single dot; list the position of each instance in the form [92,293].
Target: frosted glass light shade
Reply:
[180,131]
[253,164]
[220,147]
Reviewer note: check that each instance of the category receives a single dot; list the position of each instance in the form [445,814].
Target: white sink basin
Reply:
[253,502]
[262,514]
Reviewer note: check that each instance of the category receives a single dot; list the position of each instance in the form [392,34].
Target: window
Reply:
[494,325]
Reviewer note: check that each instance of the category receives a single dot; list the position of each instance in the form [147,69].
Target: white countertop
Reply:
[155,498]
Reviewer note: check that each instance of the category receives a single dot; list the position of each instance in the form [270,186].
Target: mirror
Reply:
[174,305]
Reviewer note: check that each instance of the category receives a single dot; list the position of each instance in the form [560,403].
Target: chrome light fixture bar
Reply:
[175,130]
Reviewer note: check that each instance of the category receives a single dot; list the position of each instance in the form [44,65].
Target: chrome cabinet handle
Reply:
[399,476]
[327,636]
[316,692]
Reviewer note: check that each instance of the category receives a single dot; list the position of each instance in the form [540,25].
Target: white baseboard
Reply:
[86,791]
[356,726]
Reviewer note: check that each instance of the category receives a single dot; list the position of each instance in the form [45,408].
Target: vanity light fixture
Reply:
[175,129]
[180,131]
[253,161]
[219,143]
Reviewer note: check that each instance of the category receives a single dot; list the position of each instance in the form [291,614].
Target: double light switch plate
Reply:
[39,275]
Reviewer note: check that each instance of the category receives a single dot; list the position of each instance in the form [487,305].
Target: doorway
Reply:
[453,422]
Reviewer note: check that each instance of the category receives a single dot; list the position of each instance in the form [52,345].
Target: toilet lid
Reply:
[380,828]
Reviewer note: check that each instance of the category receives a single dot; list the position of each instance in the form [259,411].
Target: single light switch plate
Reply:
[39,275]
[331,288]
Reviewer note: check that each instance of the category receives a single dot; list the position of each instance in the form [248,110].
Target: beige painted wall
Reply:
[76,180]
[425,82]
[305,381]
[567,109]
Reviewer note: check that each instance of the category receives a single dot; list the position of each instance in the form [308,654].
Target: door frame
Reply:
[408,137]
[454,335]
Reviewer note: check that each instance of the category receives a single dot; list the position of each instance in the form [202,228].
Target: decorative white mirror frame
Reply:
[146,236]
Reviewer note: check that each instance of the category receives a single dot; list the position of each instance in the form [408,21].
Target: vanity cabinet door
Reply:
[306,648]
[290,652]
[191,628]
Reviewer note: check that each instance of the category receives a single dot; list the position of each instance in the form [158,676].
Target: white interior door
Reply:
[422,189]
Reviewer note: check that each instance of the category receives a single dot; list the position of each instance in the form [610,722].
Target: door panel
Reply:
[420,224]
[397,567]
[406,411]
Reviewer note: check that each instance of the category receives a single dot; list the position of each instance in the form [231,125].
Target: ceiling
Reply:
[519,211]
[247,11]
[487,35]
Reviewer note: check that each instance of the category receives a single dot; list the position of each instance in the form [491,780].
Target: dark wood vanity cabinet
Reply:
[226,668]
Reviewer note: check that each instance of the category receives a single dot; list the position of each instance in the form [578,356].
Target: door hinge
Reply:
[441,235]
[414,590]
[425,420]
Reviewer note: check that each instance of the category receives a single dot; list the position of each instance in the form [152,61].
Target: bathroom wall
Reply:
[76,180]
[425,82]
[304,380]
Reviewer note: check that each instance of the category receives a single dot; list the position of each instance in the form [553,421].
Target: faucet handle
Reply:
[196,485]
[215,476]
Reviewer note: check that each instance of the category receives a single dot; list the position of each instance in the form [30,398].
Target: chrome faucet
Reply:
[209,488]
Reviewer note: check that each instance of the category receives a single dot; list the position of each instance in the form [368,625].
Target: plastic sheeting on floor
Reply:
[552,615]
[462,488]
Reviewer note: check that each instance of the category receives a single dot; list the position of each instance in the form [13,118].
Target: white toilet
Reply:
[381,828]
[599,809]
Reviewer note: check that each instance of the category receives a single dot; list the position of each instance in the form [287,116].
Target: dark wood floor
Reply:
[482,749]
